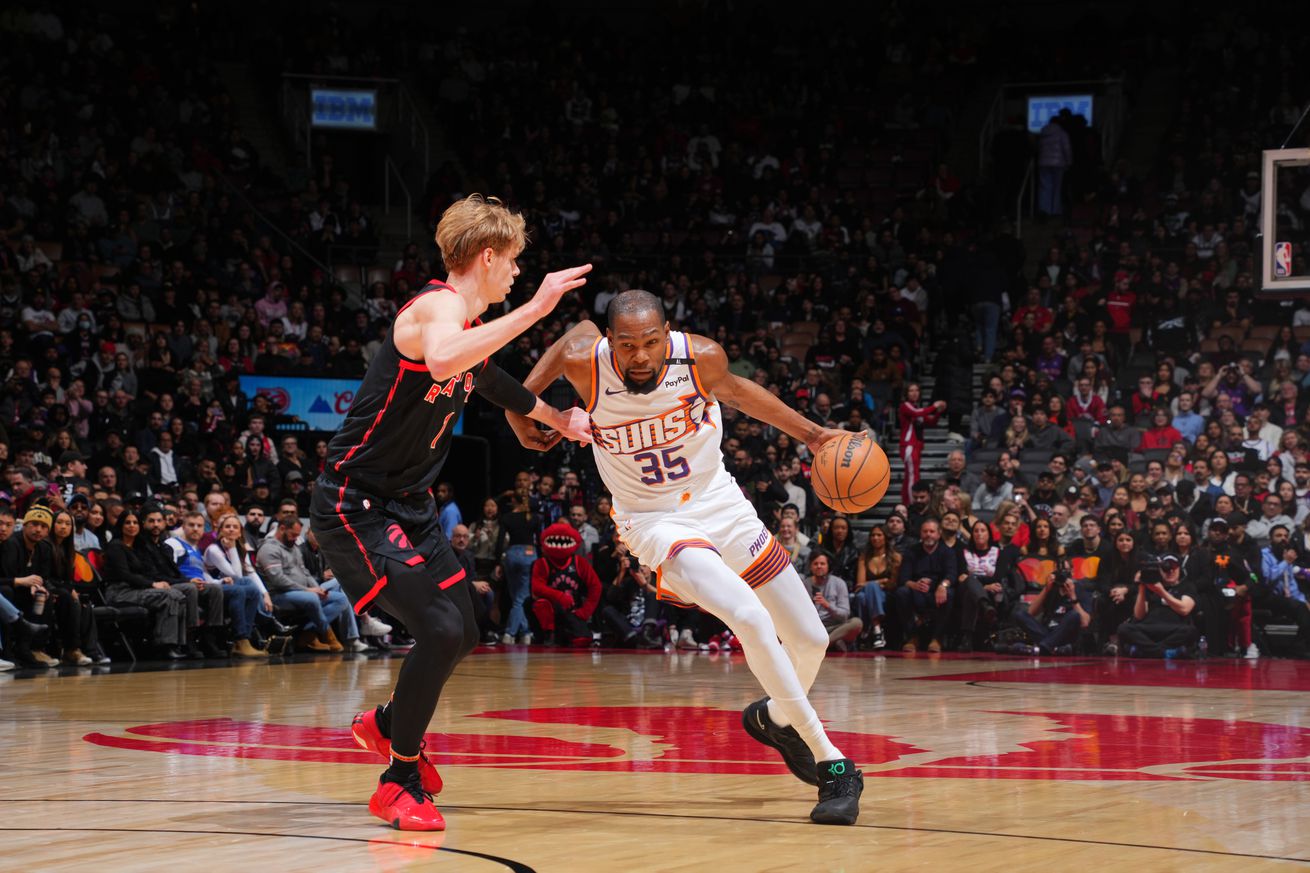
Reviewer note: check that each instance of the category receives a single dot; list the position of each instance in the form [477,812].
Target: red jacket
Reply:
[1160,438]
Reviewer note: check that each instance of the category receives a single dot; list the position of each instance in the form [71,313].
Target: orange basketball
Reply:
[850,473]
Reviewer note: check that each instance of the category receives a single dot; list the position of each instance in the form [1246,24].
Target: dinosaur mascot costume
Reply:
[565,588]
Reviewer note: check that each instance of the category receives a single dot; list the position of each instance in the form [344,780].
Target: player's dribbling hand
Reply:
[557,284]
[577,426]
[823,436]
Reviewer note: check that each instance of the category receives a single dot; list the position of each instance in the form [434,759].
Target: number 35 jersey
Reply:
[659,449]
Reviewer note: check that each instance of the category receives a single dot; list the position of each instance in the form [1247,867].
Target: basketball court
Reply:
[580,761]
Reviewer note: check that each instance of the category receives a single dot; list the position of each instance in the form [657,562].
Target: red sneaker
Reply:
[365,729]
[406,807]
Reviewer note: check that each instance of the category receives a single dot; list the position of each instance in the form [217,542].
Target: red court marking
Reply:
[691,739]
[1263,675]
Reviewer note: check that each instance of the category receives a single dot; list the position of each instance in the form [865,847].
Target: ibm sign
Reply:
[353,110]
[1043,109]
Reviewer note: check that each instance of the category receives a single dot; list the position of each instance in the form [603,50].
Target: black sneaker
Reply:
[795,754]
[840,787]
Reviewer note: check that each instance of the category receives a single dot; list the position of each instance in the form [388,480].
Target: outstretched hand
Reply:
[557,284]
[529,435]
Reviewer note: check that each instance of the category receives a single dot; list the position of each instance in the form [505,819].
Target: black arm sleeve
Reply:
[504,390]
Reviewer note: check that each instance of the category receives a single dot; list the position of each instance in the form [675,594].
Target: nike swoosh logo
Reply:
[608,392]
[759,720]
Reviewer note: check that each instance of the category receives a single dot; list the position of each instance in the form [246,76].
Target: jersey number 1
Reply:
[664,465]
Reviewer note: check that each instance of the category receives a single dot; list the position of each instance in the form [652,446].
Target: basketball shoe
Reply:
[840,787]
[369,736]
[406,806]
[795,754]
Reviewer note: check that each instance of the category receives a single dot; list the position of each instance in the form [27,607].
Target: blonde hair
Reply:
[475,223]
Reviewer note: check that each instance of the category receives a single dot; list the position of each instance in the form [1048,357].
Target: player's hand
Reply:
[556,285]
[823,436]
[530,436]
[577,426]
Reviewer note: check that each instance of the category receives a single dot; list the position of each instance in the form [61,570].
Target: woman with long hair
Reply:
[843,556]
[484,537]
[992,588]
[128,572]
[913,418]
[1042,542]
[1221,477]
[518,548]
[74,610]
[96,523]
[1115,582]
[228,560]
[876,573]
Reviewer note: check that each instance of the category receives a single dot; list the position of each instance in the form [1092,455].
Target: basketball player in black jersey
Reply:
[373,511]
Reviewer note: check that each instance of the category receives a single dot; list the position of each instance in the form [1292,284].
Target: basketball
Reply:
[850,473]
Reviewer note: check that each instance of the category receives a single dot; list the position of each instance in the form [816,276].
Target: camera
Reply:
[1150,570]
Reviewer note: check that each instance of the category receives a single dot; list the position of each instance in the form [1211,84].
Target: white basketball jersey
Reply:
[655,450]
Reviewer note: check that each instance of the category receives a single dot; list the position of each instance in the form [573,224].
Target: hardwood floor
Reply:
[582,761]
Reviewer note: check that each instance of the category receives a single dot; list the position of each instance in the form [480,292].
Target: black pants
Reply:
[392,551]
[1108,616]
[1288,609]
[975,600]
[1214,619]
[1150,639]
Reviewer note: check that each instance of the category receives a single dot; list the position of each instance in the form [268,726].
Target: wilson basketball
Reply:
[850,473]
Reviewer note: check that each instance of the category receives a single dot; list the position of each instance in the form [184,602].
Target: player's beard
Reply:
[640,387]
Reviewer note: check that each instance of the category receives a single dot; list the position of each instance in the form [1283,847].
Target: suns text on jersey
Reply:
[651,433]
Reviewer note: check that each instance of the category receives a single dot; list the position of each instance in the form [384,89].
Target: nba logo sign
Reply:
[1282,260]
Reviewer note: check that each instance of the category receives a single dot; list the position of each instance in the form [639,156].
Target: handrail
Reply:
[1028,187]
[388,169]
[268,222]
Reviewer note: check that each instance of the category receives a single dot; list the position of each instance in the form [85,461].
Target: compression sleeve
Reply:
[504,390]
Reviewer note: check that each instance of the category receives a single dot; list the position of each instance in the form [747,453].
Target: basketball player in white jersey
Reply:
[653,395]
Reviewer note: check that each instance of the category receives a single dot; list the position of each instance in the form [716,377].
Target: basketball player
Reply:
[373,511]
[653,396]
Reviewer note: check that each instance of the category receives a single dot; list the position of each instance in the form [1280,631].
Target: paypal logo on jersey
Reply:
[674,383]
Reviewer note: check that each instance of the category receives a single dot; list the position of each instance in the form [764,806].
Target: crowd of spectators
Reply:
[801,215]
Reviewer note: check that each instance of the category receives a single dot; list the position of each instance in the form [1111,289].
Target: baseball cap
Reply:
[1219,521]
[261,481]
[79,497]
[1237,518]
[295,476]
[1154,503]
[1167,560]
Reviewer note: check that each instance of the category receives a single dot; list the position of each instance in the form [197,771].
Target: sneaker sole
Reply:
[754,732]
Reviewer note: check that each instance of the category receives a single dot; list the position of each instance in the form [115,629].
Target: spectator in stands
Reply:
[283,570]
[1278,588]
[26,576]
[1223,574]
[1161,624]
[484,598]
[926,589]
[1054,618]
[1259,529]
[240,601]
[71,579]
[447,509]
[832,600]
[519,525]
[1115,578]
[993,491]
[913,418]
[131,574]
[877,573]
[631,608]
[993,584]
[1054,158]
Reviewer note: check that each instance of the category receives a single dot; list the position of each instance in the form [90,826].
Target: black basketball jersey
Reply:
[397,433]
